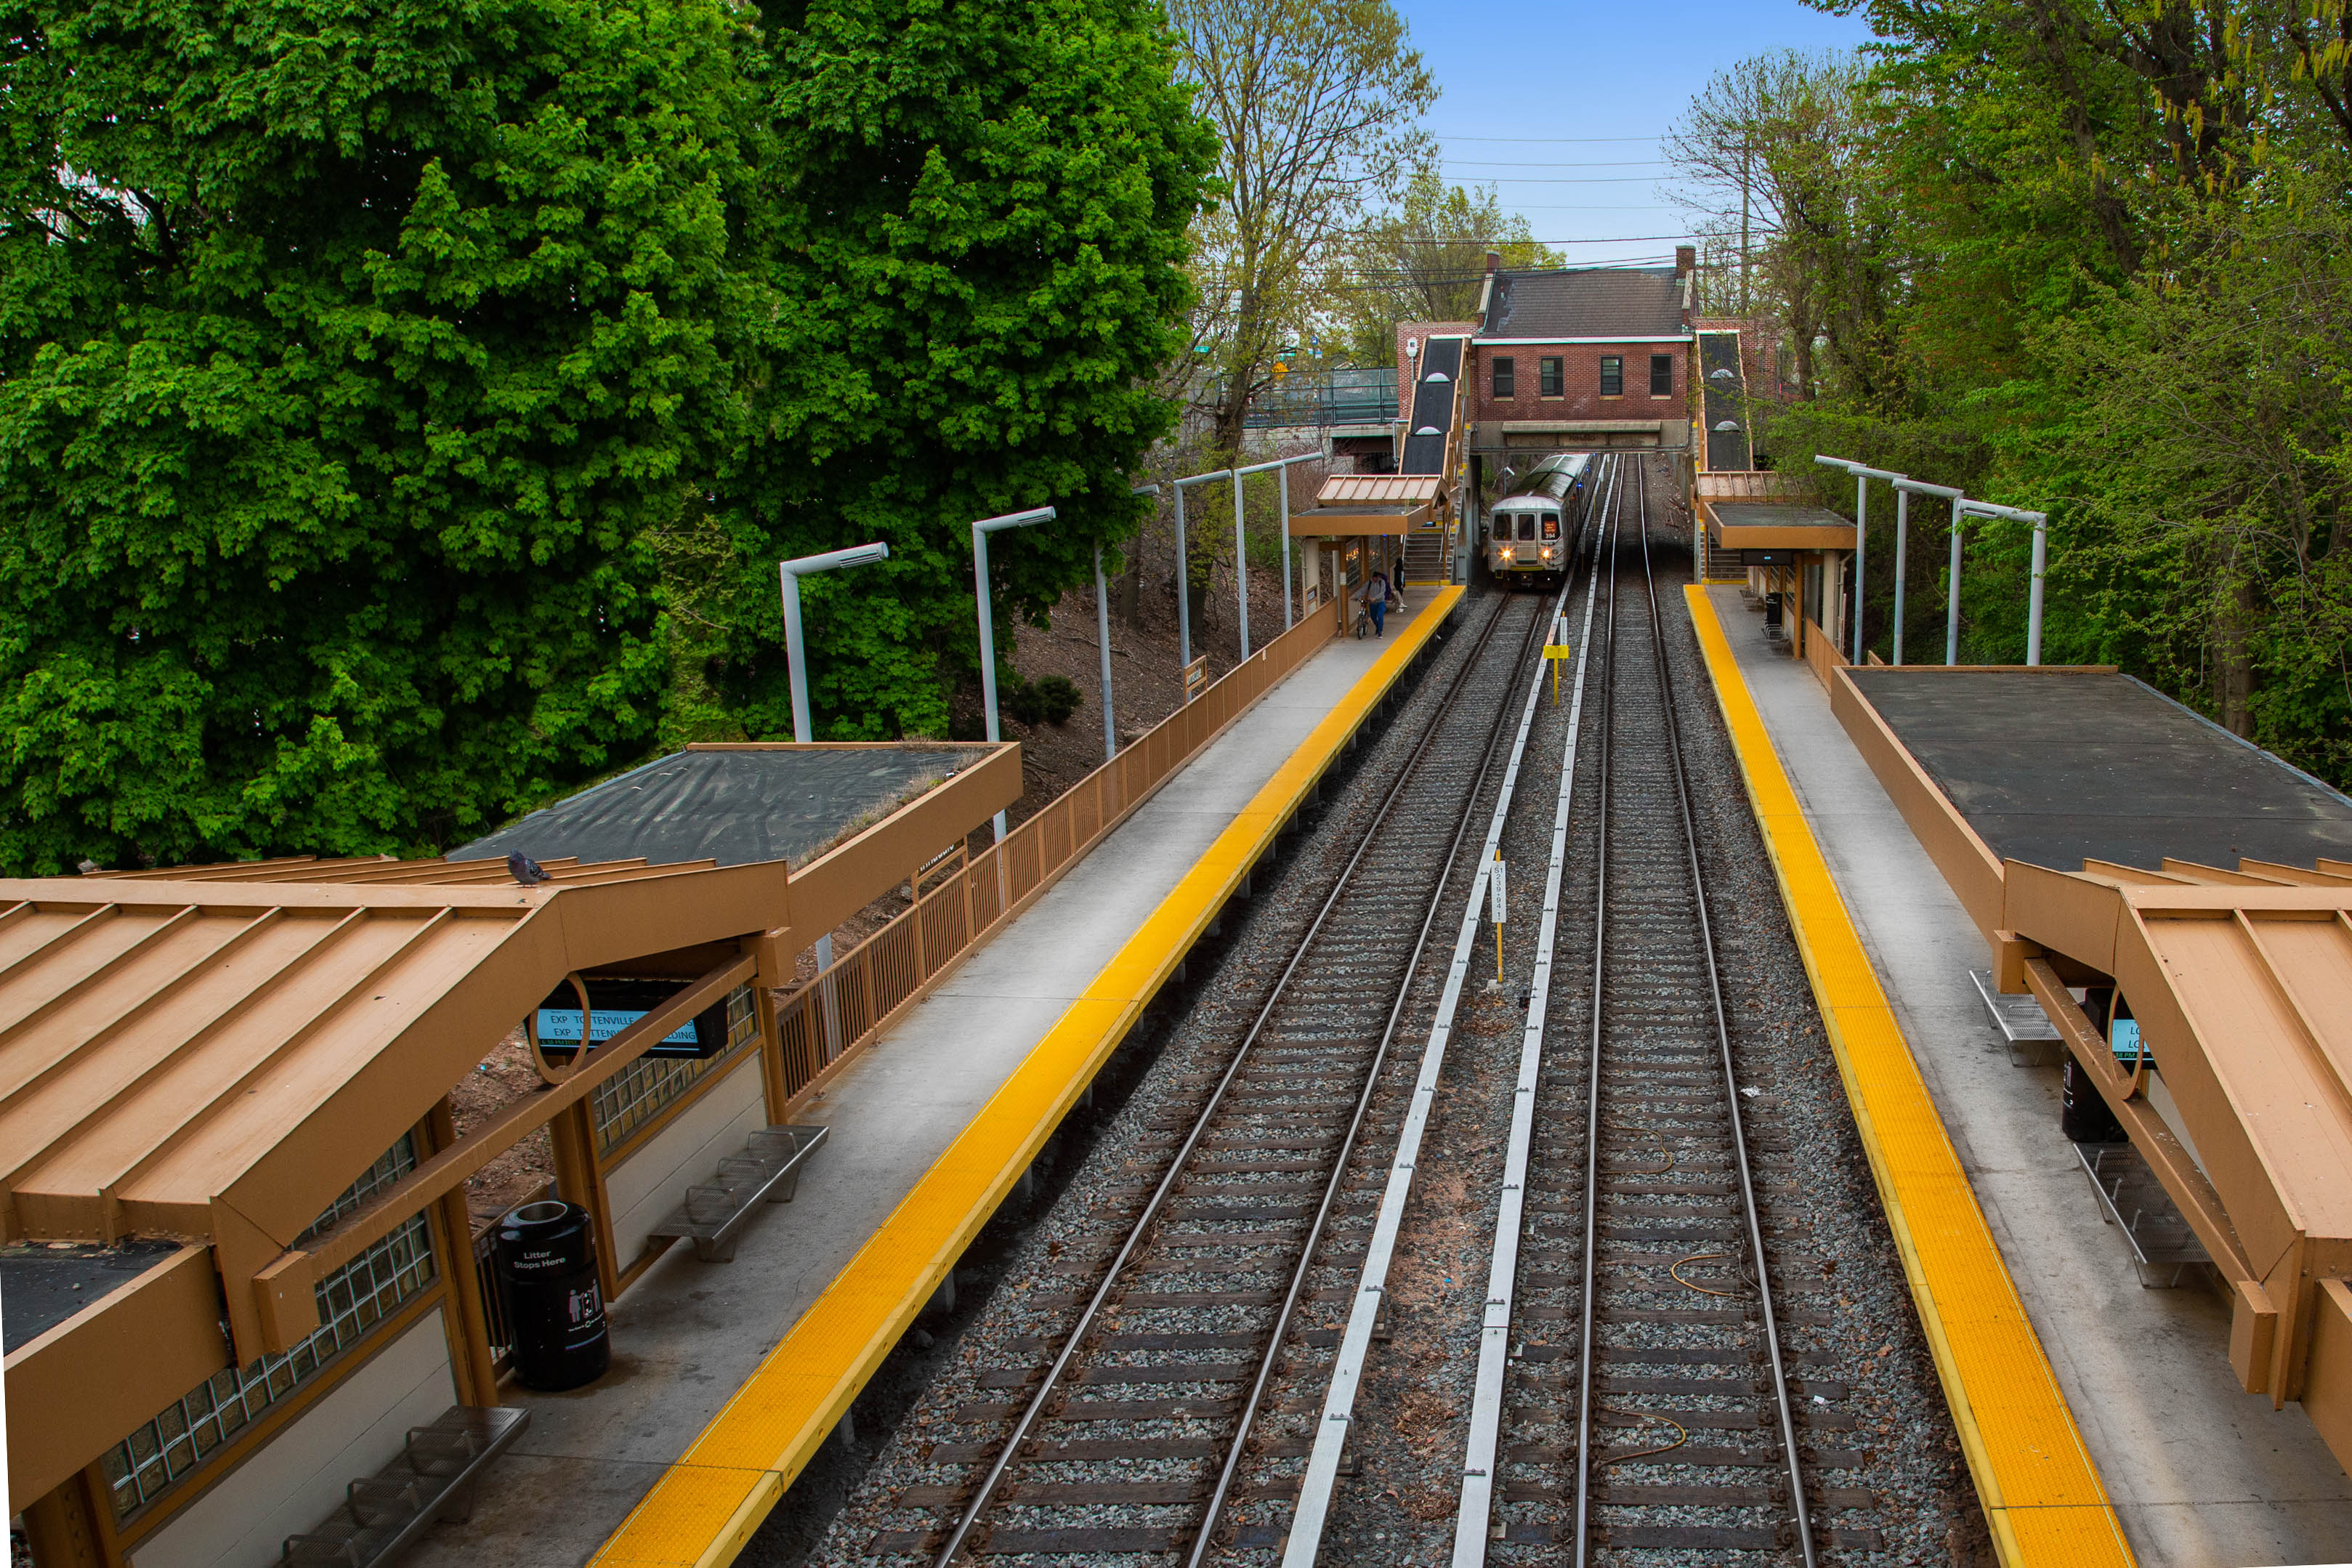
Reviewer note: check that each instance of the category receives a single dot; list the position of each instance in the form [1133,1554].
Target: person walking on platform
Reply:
[1376,602]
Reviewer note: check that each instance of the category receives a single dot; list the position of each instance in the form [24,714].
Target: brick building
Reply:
[1573,360]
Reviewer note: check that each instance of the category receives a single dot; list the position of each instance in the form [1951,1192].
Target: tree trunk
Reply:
[1130,584]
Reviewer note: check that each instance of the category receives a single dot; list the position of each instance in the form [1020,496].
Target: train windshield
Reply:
[1526,525]
[1503,526]
[1551,525]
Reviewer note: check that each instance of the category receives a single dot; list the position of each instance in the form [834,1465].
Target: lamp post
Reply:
[979,532]
[1277,468]
[791,571]
[1904,490]
[2040,521]
[1862,475]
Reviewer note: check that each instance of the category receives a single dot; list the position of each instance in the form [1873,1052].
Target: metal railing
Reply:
[1331,398]
[848,1002]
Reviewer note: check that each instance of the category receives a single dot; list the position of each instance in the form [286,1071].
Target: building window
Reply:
[1661,375]
[1549,370]
[1612,376]
[351,1300]
[1507,378]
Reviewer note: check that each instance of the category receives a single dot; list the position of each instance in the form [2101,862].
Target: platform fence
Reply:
[846,1004]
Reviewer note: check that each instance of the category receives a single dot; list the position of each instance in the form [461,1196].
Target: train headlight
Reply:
[1547,554]
[1506,552]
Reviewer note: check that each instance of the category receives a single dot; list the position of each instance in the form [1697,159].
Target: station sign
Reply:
[613,1006]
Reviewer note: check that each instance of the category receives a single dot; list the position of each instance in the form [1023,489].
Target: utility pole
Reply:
[1744,159]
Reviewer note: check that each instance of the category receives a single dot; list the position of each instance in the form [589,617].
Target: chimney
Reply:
[1686,258]
[1493,260]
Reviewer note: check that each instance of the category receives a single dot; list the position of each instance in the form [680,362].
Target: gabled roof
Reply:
[216,1059]
[1595,302]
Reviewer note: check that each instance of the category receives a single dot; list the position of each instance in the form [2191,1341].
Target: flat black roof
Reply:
[2058,768]
[735,806]
[44,1283]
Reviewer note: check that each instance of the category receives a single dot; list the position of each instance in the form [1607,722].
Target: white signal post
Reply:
[1862,475]
[979,532]
[1904,490]
[1496,909]
[791,571]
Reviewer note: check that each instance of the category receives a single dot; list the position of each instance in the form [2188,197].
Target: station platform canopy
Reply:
[2133,864]
[1350,505]
[732,804]
[1774,525]
[223,1088]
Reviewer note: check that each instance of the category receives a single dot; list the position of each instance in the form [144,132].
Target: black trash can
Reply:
[547,1268]
[2082,1113]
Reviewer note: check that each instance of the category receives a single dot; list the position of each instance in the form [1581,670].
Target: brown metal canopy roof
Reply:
[216,1053]
[1356,488]
[2241,984]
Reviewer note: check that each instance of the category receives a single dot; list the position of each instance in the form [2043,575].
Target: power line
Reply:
[1617,163]
[1555,141]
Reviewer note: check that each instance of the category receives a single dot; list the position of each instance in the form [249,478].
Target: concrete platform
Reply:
[688,1338]
[2198,1472]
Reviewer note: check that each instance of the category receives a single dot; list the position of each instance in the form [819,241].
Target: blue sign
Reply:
[560,1026]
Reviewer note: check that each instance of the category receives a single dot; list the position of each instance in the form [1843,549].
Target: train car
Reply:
[1527,531]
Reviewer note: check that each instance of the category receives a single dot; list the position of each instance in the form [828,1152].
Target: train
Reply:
[1527,531]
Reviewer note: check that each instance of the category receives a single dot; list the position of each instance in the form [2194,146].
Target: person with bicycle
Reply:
[1376,602]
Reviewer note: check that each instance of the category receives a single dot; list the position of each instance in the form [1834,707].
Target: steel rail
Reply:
[1137,1233]
[1216,1503]
[1592,1087]
[1321,1481]
[1481,1455]
[1730,1080]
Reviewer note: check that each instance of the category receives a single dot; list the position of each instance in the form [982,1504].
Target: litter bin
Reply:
[547,1268]
[2082,1113]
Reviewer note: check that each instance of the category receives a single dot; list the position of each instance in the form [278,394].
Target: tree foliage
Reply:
[1424,259]
[1314,104]
[2095,259]
[402,406]
[980,210]
[346,357]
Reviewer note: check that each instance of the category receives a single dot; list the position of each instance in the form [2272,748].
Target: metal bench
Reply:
[2031,1037]
[716,1211]
[432,1479]
[2164,1249]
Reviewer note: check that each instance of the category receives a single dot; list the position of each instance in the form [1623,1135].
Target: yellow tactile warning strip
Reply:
[706,1506]
[2041,1495]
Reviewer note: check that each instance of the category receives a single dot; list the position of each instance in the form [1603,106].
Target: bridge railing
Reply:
[1326,398]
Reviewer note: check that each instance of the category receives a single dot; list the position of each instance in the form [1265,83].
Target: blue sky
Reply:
[1623,72]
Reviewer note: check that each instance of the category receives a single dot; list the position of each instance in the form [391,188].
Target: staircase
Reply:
[1425,558]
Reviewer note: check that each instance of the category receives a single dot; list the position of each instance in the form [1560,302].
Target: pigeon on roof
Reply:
[525,869]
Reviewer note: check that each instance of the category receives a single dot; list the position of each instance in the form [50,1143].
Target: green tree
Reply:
[348,357]
[979,210]
[1314,103]
[1425,260]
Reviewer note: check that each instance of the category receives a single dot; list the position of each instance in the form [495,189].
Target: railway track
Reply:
[1650,1410]
[1206,1368]
[1174,1350]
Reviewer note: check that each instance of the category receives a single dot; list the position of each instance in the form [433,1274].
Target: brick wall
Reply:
[1580,382]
